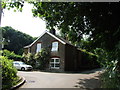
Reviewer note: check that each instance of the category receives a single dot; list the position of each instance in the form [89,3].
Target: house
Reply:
[64,56]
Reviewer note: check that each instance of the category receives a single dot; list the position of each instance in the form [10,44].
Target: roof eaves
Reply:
[35,40]
[56,38]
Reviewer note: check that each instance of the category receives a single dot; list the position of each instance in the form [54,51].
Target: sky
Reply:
[24,21]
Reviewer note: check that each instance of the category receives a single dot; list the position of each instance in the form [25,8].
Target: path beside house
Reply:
[36,79]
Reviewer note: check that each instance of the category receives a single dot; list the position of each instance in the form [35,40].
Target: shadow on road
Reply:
[91,83]
[92,71]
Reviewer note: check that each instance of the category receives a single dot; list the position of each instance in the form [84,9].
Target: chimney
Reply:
[53,31]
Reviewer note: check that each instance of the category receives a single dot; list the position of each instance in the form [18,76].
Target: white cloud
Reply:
[24,21]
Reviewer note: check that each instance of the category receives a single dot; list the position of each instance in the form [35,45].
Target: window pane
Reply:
[56,60]
[38,47]
[57,65]
[52,60]
[54,46]
[52,65]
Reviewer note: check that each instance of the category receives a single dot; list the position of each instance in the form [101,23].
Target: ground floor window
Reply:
[55,63]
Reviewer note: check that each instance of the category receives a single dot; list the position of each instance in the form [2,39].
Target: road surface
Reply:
[37,79]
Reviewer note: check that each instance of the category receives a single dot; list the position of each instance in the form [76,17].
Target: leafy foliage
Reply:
[110,61]
[11,55]
[30,59]
[42,59]
[39,60]
[99,20]
[9,73]
[17,39]
[17,5]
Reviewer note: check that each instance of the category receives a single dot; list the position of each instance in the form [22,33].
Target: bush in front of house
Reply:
[9,73]
[42,59]
[39,60]
[29,59]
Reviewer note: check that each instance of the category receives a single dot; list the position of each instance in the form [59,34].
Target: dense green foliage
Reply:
[39,60]
[17,39]
[17,5]
[110,61]
[29,59]
[9,73]
[11,55]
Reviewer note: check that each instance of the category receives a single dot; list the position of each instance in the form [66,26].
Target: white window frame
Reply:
[54,46]
[38,48]
[54,63]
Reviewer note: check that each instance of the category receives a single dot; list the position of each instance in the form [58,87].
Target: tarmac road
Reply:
[37,79]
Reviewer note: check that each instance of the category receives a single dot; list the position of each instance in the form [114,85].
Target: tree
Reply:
[17,39]
[17,5]
[75,19]
[6,4]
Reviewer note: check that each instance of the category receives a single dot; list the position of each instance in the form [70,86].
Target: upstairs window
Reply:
[38,47]
[54,46]
[28,50]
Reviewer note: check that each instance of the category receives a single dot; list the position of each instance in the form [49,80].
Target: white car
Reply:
[21,65]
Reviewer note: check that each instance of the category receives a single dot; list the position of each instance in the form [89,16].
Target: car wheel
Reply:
[23,69]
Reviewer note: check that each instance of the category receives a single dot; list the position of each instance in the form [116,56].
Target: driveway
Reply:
[37,79]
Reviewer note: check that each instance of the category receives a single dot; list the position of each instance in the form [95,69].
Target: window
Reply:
[54,46]
[38,47]
[55,63]
[28,50]
[16,64]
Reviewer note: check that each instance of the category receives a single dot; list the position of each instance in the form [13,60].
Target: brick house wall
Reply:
[46,42]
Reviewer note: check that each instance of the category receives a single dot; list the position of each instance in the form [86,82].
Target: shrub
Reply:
[11,55]
[9,73]
[42,59]
[110,61]
[39,60]
[29,59]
